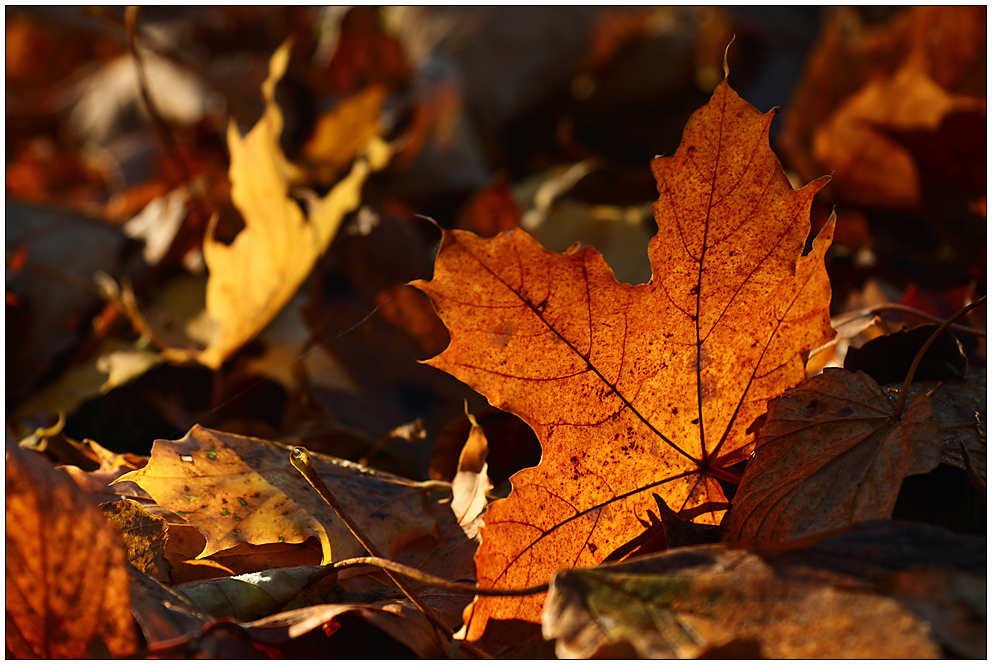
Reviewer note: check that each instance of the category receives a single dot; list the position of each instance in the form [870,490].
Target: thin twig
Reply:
[161,129]
[926,345]
[841,319]
[436,582]
[174,54]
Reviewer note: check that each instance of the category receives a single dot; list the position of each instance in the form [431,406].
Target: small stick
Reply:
[436,582]
[926,345]
[302,461]
[841,319]
[159,126]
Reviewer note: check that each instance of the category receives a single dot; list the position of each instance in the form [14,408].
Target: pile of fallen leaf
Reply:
[587,409]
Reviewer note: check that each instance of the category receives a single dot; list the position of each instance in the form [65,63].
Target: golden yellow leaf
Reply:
[255,276]
[341,134]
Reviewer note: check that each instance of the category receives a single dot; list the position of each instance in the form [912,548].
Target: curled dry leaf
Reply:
[468,489]
[67,586]
[819,599]
[255,276]
[636,390]
[397,618]
[830,454]
[452,557]
[236,489]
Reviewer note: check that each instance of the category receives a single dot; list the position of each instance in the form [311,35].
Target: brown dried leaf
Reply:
[961,411]
[871,168]
[397,618]
[830,455]
[67,586]
[144,536]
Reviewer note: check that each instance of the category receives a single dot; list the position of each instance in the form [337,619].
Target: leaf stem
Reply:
[722,474]
[898,307]
[302,461]
[926,346]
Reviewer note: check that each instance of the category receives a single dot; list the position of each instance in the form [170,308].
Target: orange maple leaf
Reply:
[634,390]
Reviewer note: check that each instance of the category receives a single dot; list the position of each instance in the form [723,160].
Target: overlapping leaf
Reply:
[235,490]
[635,390]
[830,455]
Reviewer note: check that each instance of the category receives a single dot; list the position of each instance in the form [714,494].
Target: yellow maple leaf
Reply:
[254,277]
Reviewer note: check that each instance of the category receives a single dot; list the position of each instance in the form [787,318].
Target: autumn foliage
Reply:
[322,377]
[645,389]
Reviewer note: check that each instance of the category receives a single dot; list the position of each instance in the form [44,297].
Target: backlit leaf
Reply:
[66,584]
[635,390]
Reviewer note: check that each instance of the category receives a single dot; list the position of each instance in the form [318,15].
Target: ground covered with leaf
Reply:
[513,332]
